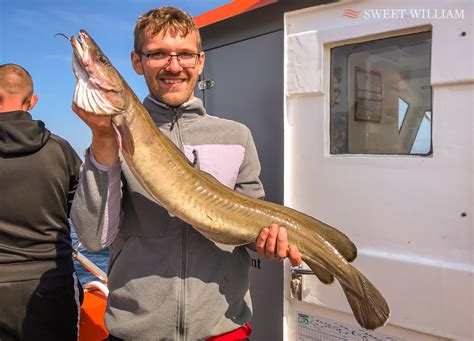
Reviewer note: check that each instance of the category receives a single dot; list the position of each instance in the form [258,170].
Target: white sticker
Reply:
[303,63]
[316,328]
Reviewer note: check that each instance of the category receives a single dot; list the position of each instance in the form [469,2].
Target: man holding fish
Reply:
[166,280]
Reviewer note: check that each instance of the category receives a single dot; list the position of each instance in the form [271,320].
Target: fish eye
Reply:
[103,59]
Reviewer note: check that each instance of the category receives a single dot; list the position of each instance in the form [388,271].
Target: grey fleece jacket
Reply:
[166,280]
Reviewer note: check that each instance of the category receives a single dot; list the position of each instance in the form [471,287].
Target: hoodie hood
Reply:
[20,134]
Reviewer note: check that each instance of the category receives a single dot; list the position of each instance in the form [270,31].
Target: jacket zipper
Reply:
[174,119]
[184,268]
[176,133]
[181,327]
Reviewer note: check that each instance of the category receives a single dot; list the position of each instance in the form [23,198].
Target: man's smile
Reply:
[172,81]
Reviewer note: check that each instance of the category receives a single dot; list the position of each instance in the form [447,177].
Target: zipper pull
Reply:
[175,117]
[196,159]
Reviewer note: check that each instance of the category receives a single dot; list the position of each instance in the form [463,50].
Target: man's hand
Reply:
[104,144]
[99,124]
[272,243]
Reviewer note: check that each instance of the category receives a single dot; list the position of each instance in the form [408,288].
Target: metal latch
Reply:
[296,284]
[206,84]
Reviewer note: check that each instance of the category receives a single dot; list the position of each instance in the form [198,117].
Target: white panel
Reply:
[303,66]
[411,217]
[453,35]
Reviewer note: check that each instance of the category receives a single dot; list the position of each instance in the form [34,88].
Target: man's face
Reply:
[171,84]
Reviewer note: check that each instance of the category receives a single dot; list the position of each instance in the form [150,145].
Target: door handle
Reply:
[300,271]
[296,284]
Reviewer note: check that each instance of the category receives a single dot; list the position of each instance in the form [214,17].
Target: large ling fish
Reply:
[216,211]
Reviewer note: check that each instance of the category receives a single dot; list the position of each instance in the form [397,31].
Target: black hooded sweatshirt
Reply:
[38,177]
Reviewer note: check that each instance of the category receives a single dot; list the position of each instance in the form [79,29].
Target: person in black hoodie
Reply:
[39,291]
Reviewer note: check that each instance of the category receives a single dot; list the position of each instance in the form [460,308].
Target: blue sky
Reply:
[27,29]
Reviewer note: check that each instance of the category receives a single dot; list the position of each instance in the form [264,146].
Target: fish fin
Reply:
[370,308]
[124,135]
[322,274]
[338,239]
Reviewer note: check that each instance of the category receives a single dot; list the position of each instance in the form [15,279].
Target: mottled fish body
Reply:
[219,213]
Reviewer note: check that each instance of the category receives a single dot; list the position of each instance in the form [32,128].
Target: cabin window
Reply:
[380,97]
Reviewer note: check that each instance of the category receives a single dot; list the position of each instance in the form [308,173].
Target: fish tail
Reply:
[370,308]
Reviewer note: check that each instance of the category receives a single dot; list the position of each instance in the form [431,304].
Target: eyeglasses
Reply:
[161,59]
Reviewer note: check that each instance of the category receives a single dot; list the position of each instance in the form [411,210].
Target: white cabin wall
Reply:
[405,213]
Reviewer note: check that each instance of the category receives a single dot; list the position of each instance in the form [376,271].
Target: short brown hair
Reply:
[161,20]
[15,80]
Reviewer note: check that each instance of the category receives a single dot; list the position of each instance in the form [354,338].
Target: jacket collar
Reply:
[15,115]
[163,113]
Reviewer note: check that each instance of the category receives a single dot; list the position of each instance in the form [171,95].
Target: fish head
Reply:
[99,88]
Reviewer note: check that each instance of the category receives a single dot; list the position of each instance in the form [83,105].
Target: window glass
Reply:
[402,112]
[423,137]
[381,97]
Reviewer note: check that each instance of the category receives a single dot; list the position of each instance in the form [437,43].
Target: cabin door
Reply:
[379,143]
[244,82]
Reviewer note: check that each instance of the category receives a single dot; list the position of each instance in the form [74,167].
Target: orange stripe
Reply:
[229,10]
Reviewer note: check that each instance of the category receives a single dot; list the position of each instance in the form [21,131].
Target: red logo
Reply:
[350,13]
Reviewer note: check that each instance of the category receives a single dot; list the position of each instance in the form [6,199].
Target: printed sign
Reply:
[369,95]
[316,328]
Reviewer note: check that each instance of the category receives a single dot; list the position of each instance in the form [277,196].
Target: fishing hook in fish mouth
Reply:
[63,35]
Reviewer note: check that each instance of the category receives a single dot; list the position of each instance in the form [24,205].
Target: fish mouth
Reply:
[81,56]
[80,47]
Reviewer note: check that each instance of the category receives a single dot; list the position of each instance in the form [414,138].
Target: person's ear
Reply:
[30,104]
[136,62]
[200,66]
